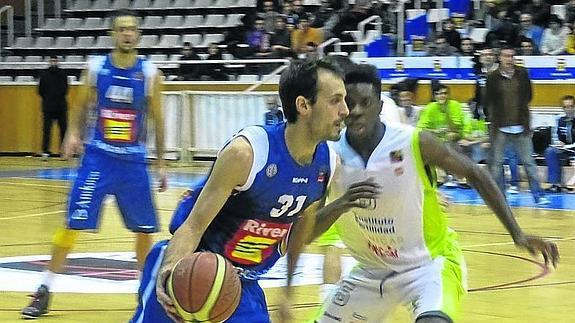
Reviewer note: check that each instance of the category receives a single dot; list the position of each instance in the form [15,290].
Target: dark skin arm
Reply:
[436,153]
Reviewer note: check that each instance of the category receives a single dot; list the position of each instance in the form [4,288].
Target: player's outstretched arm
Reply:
[436,153]
[230,170]
[158,117]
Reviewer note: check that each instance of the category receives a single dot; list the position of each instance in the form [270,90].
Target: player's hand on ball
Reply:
[360,194]
[536,245]
[163,297]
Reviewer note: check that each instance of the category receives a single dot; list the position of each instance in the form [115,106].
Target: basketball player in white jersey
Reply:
[407,254]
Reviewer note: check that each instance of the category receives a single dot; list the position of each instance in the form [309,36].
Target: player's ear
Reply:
[303,105]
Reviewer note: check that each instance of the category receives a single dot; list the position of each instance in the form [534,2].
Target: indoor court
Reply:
[505,284]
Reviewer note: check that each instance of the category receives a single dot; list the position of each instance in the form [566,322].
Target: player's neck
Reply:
[366,145]
[124,59]
[300,145]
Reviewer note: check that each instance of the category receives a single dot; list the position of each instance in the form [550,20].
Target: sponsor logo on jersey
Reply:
[255,241]
[299,180]
[342,294]
[376,225]
[80,215]
[118,125]
[321,177]
[86,192]
[120,94]
[271,170]
[396,156]
[384,252]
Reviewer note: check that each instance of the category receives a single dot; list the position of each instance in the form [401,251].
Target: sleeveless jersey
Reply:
[253,227]
[119,126]
[405,227]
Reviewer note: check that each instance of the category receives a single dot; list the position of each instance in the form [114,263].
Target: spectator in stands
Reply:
[527,47]
[274,115]
[298,8]
[528,29]
[53,88]
[570,12]
[269,16]
[467,47]
[540,11]
[323,14]
[507,96]
[189,72]
[441,47]
[570,46]
[304,35]
[258,38]
[409,112]
[554,40]
[451,35]
[280,39]
[290,17]
[486,63]
[562,151]
[215,71]
[349,19]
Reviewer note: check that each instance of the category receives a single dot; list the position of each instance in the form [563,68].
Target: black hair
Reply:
[301,79]
[568,97]
[122,13]
[365,73]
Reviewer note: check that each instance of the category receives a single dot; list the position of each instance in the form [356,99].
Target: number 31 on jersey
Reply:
[287,202]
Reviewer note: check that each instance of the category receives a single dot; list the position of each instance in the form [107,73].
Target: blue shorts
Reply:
[101,174]
[252,307]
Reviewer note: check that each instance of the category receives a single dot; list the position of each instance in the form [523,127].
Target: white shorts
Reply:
[367,295]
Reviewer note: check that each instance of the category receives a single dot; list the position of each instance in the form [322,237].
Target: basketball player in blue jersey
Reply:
[263,192]
[406,253]
[122,90]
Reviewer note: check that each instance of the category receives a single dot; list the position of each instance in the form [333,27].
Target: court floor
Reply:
[505,284]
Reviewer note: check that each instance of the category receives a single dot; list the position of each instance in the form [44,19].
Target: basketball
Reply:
[204,287]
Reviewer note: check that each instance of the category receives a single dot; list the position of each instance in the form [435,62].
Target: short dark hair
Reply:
[364,73]
[301,79]
[53,57]
[568,97]
[122,13]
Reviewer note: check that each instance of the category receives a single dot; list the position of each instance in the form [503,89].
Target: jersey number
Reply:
[287,201]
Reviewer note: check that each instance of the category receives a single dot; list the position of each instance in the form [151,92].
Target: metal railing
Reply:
[336,43]
[9,10]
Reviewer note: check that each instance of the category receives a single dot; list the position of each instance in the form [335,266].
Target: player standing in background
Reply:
[122,90]
[262,192]
[406,252]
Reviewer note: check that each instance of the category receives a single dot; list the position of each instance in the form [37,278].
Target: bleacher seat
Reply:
[194,39]
[104,42]
[183,4]
[478,34]
[91,23]
[203,4]
[158,57]
[84,42]
[24,78]
[437,15]
[203,56]
[73,58]
[175,57]
[211,38]
[72,78]
[52,23]
[214,21]
[234,19]
[44,42]
[13,59]
[192,21]
[247,3]
[120,4]
[247,78]
[81,5]
[23,42]
[560,10]
[172,22]
[101,5]
[161,4]
[63,42]
[225,3]
[168,41]
[151,22]
[358,55]
[5,79]
[148,41]
[140,4]
[33,59]
[75,23]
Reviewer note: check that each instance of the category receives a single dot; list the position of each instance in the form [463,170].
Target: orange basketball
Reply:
[204,287]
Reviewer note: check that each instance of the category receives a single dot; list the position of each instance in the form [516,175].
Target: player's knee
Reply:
[65,238]
[433,317]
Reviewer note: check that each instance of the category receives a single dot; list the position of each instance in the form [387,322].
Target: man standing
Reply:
[406,252]
[122,90]
[556,154]
[507,96]
[274,115]
[53,88]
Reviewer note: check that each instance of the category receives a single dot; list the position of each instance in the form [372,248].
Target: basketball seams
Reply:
[230,278]
[185,314]
[204,313]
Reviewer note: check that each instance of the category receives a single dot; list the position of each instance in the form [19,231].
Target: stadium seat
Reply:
[194,39]
[192,21]
[13,59]
[478,34]
[168,41]
[175,57]
[151,22]
[214,21]
[148,41]
[72,78]
[183,4]
[90,23]
[247,78]
[64,42]
[24,78]
[52,23]
[101,5]
[234,19]
[141,4]
[203,4]
[84,42]
[23,42]
[247,3]
[44,42]
[437,15]
[158,57]
[81,5]
[5,79]
[104,42]
[121,4]
[162,4]
[225,3]
[172,22]
[560,10]
[74,58]
[211,38]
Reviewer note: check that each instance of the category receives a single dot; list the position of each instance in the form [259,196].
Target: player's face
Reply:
[330,109]
[506,58]
[364,108]
[126,33]
[405,99]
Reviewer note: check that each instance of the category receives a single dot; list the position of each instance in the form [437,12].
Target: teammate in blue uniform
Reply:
[123,90]
[262,192]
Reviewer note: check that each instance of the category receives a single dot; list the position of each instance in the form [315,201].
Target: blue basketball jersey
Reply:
[253,227]
[119,126]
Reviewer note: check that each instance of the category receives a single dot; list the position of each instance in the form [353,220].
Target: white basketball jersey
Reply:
[405,227]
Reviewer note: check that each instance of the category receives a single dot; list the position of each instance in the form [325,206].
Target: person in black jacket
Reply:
[557,154]
[53,88]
